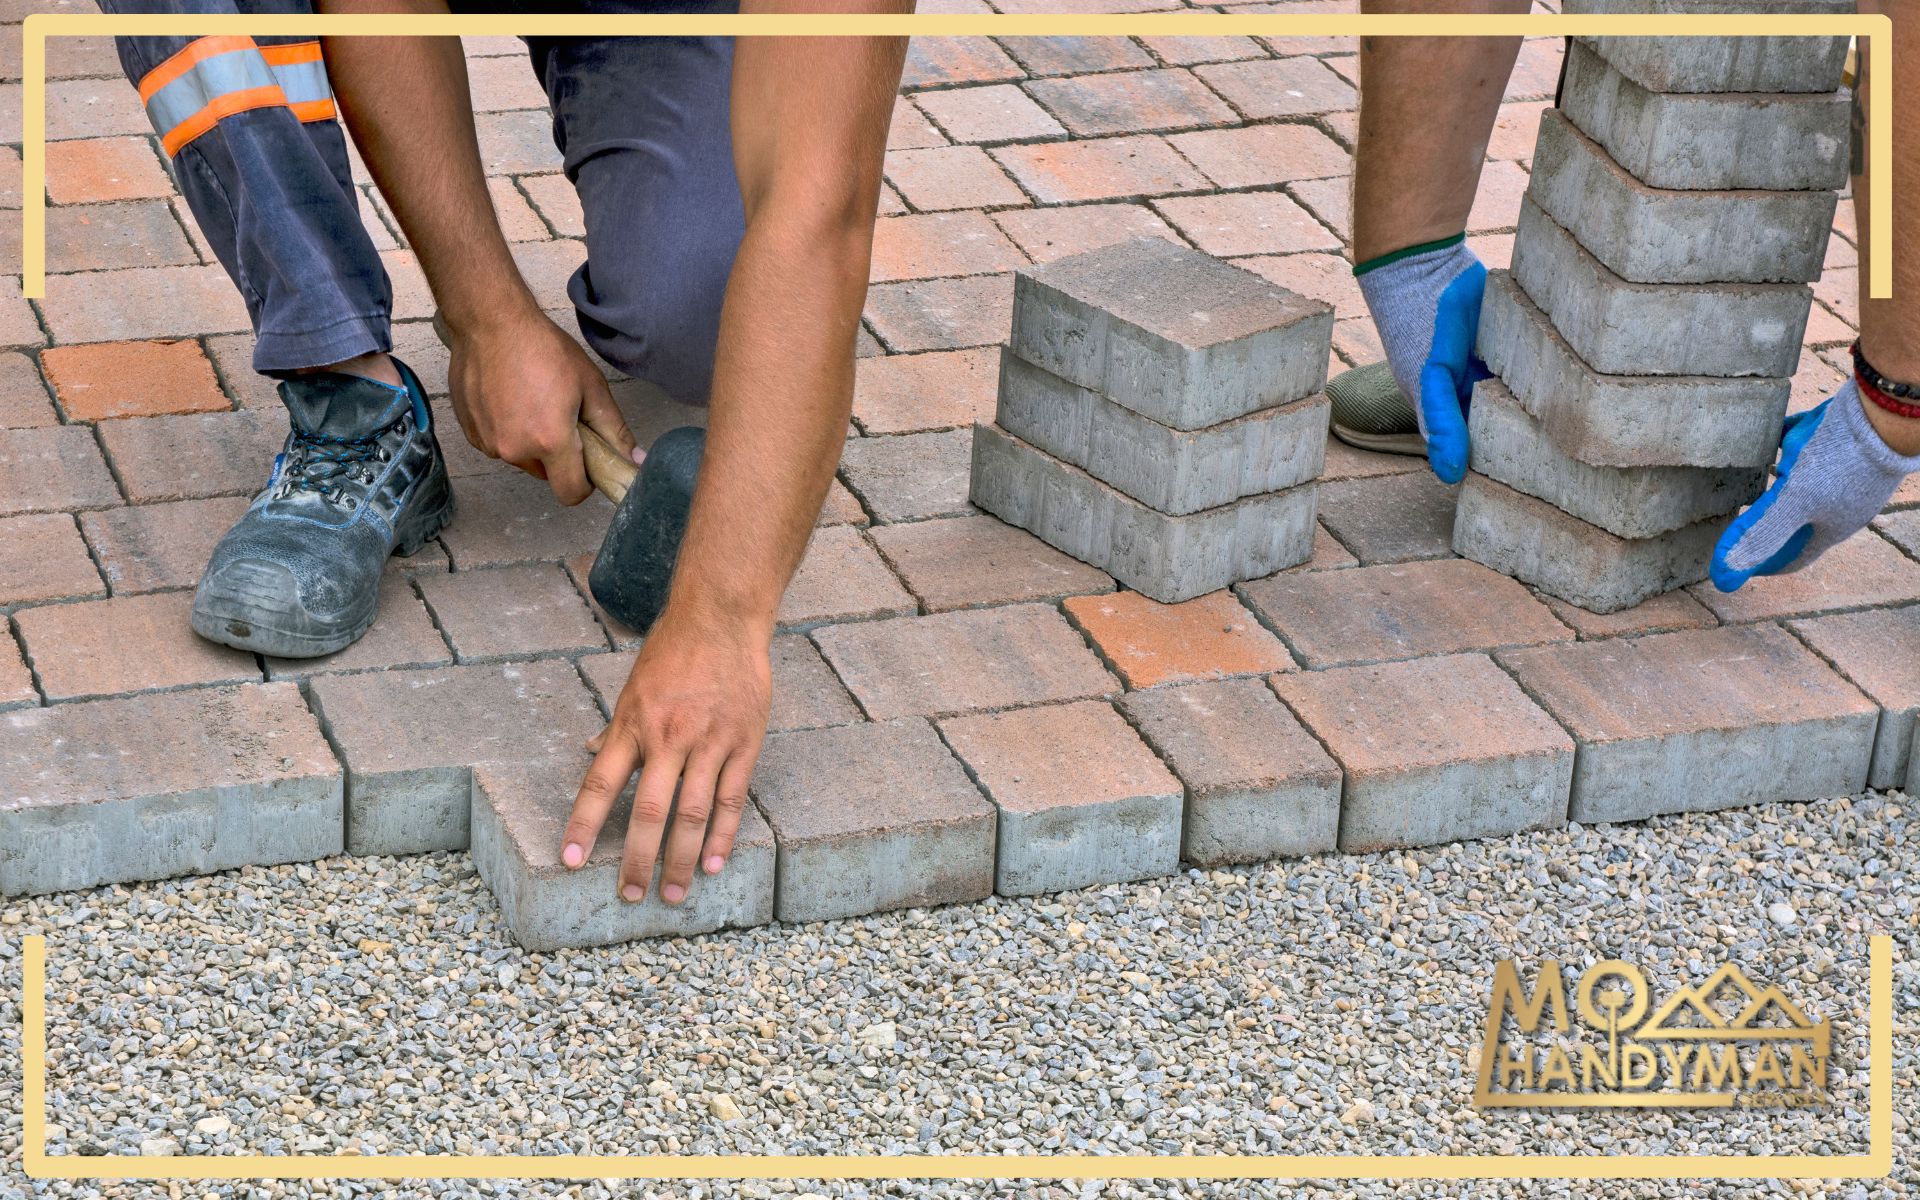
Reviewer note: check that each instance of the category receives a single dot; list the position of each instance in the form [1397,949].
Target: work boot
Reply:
[361,476]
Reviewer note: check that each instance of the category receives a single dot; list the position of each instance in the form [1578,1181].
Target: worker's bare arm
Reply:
[810,120]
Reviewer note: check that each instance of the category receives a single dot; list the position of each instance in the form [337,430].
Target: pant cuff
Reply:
[284,353]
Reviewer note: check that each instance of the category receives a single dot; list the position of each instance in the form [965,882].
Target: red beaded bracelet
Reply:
[1878,389]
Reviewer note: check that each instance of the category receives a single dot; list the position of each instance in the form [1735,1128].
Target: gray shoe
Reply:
[1371,412]
[360,478]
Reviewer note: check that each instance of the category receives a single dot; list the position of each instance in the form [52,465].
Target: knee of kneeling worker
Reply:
[663,336]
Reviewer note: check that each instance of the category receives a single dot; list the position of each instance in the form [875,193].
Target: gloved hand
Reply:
[1426,305]
[1835,475]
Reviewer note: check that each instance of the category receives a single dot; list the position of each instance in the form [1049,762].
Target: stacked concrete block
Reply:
[1644,341]
[1159,417]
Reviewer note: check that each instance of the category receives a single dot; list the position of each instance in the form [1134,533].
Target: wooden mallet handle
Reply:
[611,471]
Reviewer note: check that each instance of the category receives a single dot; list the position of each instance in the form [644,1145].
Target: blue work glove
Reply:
[1426,304]
[1835,475]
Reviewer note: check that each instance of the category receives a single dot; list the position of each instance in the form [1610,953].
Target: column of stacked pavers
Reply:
[1159,418]
[1646,335]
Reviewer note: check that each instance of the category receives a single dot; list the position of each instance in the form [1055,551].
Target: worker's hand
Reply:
[1427,308]
[520,387]
[1835,474]
[693,715]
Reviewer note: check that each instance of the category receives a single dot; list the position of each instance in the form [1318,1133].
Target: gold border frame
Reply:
[1875,1164]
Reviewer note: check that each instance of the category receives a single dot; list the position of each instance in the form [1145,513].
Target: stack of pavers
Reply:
[1645,338]
[1160,418]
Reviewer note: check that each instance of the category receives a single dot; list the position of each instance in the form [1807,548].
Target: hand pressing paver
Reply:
[1623,328]
[1401,610]
[1700,719]
[869,818]
[519,815]
[806,693]
[1082,799]
[958,662]
[1721,64]
[1149,643]
[410,741]
[173,783]
[1661,235]
[1630,502]
[1564,556]
[1171,470]
[49,468]
[1175,335]
[42,557]
[971,562]
[1168,558]
[1862,572]
[1258,785]
[1434,750]
[1877,652]
[154,547]
[510,612]
[1625,420]
[126,644]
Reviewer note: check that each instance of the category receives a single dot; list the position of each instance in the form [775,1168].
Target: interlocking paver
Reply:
[1700,719]
[1114,168]
[16,680]
[155,547]
[941,314]
[926,245]
[23,398]
[1902,529]
[1046,234]
[49,468]
[1258,785]
[18,324]
[1131,102]
[1082,799]
[1721,64]
[132,379]
[912,393]
[1876,651]
[1434,750]
[146,302]
[116,236]
[1400,518]
[557,203]
[869,818]
[517,143]
[1515,130]
[1862,572]
[957,662]
[943,61]
[949,177]
[1279,87]
[841,578]
[519,816]
[909,129]
[125,644]
[512,517]
[806,693]
[100,169]
[402,636]
[83,108]
[192,455]
[1148,643]
[1076,55]
[1398,611]
[910,476]
[42,557]
[411,739]
[1236,223]
[177,783]
[511,612]
[971,562]
[1186,51]
[1258,155]
[1661,614]
[1327,278]
[999,112]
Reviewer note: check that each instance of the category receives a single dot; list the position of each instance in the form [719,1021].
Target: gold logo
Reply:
[1721,1043]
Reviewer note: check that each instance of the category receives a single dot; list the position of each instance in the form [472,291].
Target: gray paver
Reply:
[1721,64]
[1876,650]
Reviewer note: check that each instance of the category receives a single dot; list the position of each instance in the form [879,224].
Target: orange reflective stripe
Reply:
[223,106]
[313,110]
[296,52]
[194,53]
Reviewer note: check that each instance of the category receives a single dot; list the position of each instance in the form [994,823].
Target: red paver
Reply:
[841,578]
[16,681]
[909,129]
[1328,553]
[512,517]
[403,636]
[501,83]
[910,393]
[126,644]
[970,562]
[1075,55]
[1877,651]
[157,547]
[1000,112]
[1378,614]
[1402,518]
[1045,234]
[941,314]
[912,476]
[23,398]
[88,172]
[51,468]
[1497,204]
[511,612]
[1536,74]
[1279,87]
[192,455]
[1434,750]
[964,661]
[1330,200]
[937,244]
[806,693]
[1286,45]
[1861,572]
[132,379]
[1263,154]
[149,302]
[1082,799]
[517,143]
[1324,277]
[514,213]
[1247,223]
[42,557]
[1131,102]
[18,325]
[841,507]
[943,61]
[1516,130]
[109,237]
[1148,643]
[91,108]
[1700,719]
[1259,786]
[1187,51]
[1662,614]
[948,177]
[557,202]
[1102,169]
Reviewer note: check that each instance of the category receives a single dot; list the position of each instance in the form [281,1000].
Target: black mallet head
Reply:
[634,568]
